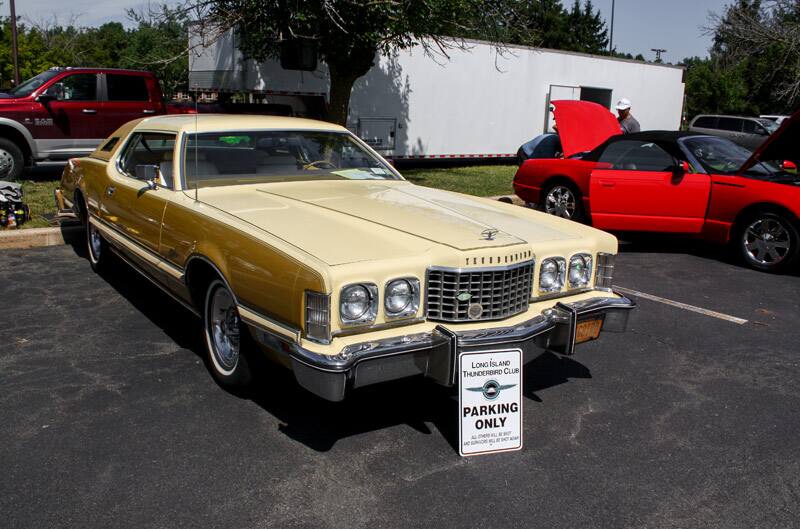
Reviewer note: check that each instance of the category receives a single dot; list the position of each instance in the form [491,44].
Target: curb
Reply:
[37,237]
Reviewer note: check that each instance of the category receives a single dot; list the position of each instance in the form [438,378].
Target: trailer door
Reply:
[557,93]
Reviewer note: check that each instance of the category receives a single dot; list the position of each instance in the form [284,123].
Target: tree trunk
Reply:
[345,67]
[339,97]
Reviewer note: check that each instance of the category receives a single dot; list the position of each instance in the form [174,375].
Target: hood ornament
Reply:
[489,234]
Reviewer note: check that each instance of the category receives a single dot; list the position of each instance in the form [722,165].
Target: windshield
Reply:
[248,157]
[768,124]
[722,156]
[25,89]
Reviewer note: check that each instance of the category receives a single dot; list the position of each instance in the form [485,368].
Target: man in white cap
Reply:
[627,122]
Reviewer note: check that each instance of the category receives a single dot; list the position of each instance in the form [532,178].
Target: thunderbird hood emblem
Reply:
[489,234]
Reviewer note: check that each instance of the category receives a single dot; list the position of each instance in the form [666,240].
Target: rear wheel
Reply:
[562,200]
[768,241]
[226,336]
[12,161]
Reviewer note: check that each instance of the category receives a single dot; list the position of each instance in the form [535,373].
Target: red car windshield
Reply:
[722,156]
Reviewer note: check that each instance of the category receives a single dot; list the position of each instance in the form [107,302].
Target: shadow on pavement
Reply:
[317,423]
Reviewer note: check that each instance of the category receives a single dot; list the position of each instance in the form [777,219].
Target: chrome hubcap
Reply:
[560,202]
[95,242]
[6,162]
[766,241]
[224,321]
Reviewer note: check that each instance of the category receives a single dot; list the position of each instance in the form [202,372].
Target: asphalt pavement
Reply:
[111,419]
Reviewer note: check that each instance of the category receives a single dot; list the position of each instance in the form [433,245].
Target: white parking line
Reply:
[684,306]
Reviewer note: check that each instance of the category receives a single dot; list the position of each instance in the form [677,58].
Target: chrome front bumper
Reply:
[435,354]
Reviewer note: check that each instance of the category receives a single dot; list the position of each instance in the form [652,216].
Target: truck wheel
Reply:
[562,200]
[226,337]
[768,241]
[12,161]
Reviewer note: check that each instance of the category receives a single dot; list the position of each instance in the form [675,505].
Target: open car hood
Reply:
[783,144]
[583,125]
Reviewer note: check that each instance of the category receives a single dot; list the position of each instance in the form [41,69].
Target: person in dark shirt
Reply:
[627,122]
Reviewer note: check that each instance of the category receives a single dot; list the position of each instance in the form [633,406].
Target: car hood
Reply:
[781,144]
[583,125]
[346,221]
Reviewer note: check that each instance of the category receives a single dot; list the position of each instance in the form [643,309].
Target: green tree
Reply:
[714,89]
[349,33]
[588,32]
[159,43]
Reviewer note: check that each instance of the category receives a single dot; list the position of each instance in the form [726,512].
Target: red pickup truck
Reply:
[66,112]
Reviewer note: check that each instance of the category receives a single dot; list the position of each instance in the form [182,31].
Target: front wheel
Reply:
[12,160]
[225,336]
[562,200]
[96,247]
[768,242]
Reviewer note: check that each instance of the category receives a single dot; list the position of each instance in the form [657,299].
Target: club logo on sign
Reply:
[491,389]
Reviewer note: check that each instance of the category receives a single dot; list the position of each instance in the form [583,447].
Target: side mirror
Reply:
[789,166]
[681,168]
[151,174]
[53,93]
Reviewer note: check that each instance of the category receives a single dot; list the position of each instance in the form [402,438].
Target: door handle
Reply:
[607,183]
[148,111]
[110,190]
[89,111]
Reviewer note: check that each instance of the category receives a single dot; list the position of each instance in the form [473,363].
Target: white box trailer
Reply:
[476,103]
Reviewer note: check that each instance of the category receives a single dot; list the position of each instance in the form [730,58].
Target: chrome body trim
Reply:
[434,354]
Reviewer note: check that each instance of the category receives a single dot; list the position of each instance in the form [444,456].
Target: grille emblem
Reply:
[489,234]
[475,311]
[464,296]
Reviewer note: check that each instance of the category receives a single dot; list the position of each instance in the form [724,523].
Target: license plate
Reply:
[588,330]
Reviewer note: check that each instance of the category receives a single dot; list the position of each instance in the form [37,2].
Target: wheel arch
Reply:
[757,207]
[15,132]
[79,205]
[563,179]
[200,271]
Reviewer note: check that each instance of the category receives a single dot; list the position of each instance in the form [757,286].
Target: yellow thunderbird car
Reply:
[295,236]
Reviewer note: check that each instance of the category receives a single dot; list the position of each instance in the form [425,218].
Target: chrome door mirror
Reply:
[151,174]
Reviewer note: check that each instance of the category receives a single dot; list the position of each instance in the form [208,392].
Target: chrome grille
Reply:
[500,292]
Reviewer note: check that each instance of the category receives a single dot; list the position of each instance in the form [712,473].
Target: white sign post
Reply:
[490,402]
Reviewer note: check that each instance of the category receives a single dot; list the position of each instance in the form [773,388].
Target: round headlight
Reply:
[399,295]
[551,274]
[355,302]
[580,270]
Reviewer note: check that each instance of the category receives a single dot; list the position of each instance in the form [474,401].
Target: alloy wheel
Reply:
[767,241]
[560,201]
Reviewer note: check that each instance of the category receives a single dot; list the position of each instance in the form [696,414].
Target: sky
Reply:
[639,25]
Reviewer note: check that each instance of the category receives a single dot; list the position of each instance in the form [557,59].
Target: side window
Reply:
[150,148]
[731,124]
[705,122]
[78,87]
[637,156]
[127,88]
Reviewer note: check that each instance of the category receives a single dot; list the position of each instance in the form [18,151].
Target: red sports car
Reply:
[673,182]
